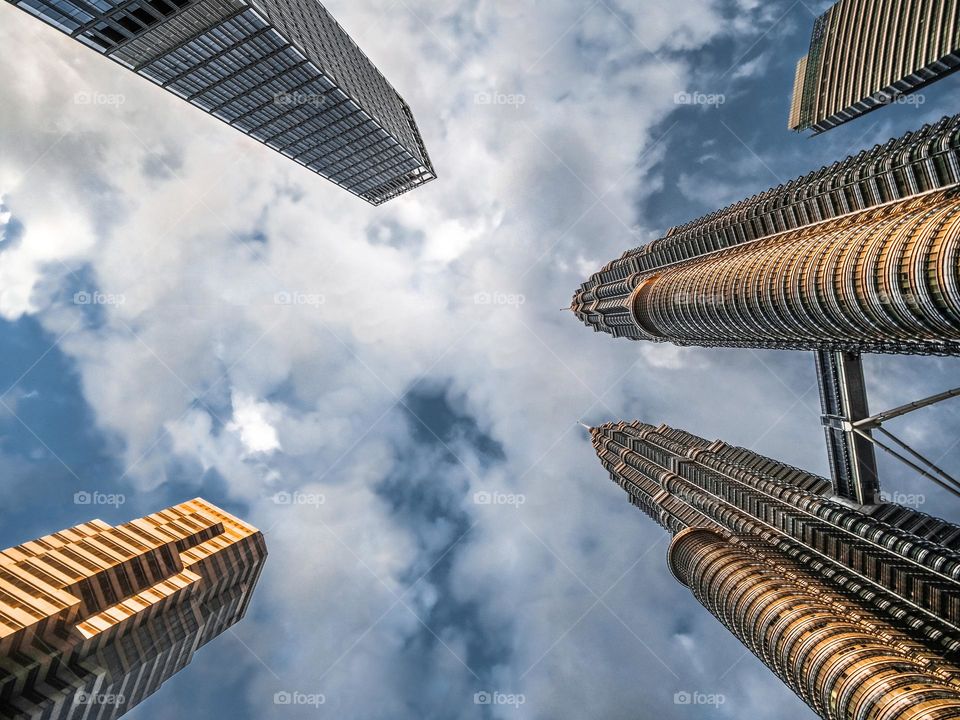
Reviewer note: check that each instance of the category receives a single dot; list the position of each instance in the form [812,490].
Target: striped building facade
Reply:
[860,256]
[856,610]
[93,619]
[865,54]
[283,72]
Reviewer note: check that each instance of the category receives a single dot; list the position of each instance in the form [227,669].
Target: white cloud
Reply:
[252,422]
[527,203]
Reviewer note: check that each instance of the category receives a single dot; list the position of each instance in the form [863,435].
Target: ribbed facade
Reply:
[828,649]
[861,256]
[281,71]
[93,619]
[884,280]
[858,613]
[865,54]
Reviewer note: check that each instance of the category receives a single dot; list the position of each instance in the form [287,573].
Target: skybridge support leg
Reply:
[843,398]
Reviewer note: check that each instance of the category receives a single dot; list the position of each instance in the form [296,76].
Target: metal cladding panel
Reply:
[196,19]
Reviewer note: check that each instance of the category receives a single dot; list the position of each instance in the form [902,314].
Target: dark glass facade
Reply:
[281,71]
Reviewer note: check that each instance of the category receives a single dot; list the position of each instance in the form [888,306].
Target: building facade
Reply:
[865,54]
[93,619]
[857,610]
[281,71]
[860,256]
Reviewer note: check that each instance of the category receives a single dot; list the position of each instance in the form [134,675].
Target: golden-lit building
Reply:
[865,54]
[885,279]
[856,609]
[95,618]
[859,256]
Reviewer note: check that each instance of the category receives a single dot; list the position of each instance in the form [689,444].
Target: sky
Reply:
[184,312]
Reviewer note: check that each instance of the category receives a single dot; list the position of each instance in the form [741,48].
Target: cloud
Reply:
[379,367]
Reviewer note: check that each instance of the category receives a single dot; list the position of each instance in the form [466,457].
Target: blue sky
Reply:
[386,389]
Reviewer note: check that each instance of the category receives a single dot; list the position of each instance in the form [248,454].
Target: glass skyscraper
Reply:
[94,618]
[281,71]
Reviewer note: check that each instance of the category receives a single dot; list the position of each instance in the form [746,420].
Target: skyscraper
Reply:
[866,54]
[856,610]
[882,280]
[93,619]
[281,71]
[861,256]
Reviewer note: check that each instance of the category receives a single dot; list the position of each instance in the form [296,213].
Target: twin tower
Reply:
[854,603]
